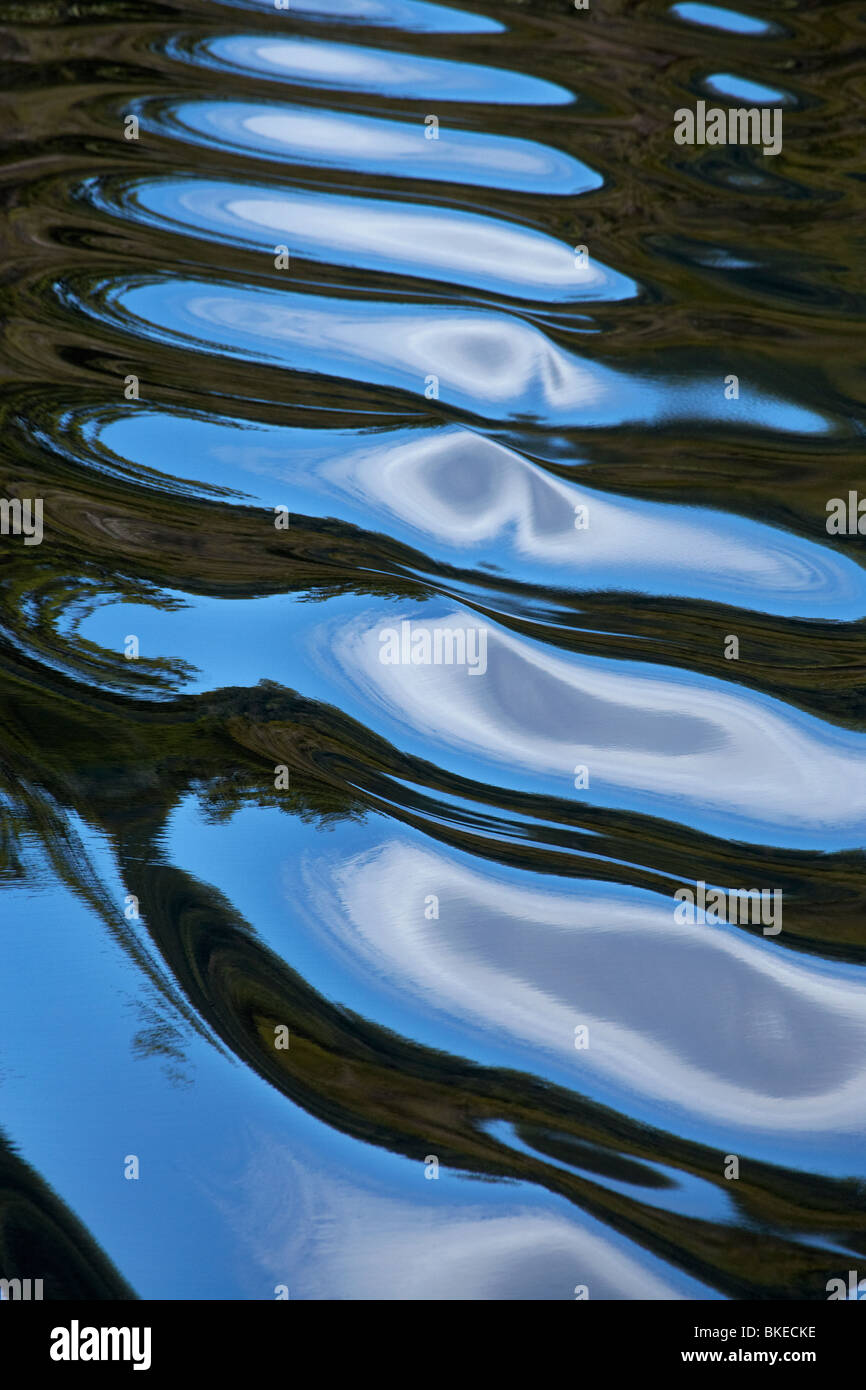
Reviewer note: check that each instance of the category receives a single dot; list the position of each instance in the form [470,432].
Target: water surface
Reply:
[434,284]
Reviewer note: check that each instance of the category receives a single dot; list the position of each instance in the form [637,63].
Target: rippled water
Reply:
[491,392]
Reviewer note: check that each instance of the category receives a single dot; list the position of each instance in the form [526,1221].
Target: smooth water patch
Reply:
[411,16]
[226,1163]
[726,84]
[435,243]
[317,902]
[162,1094]
[703,1018]
[327,139]
[680,745]
[729,21]
[505,709]
[490,364]
[351,68]
[465,500]
[441,1243]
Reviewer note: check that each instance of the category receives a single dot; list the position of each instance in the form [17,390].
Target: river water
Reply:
[433,580]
